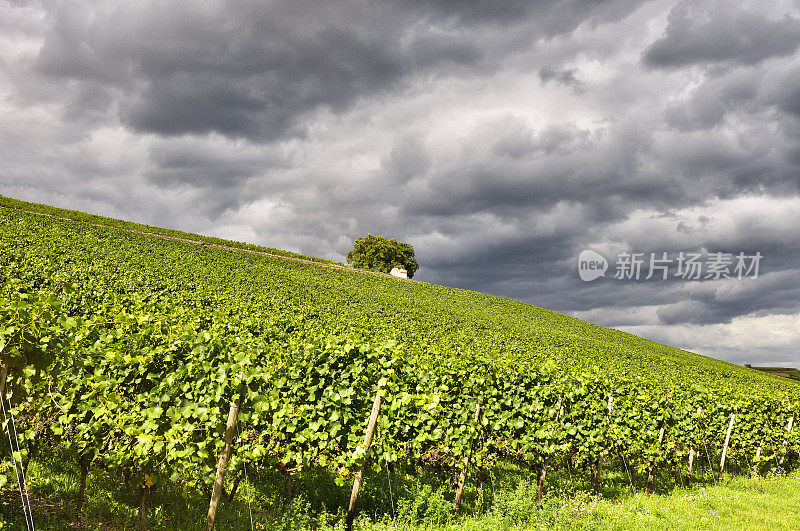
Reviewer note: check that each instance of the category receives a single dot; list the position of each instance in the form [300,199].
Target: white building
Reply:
[399,273]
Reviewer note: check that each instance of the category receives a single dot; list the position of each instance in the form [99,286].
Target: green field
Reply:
[125,351]
[452,320]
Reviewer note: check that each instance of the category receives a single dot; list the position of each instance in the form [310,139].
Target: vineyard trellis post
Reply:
[12,443]
[725,446]
[785,442]
[3,376]
[462,476]
[543,473]
[691,455]
[649,487]
[222,464]
[759,450]
[373,419]
[599,476]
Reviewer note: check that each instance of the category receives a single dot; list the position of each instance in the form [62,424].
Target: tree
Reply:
[380,254]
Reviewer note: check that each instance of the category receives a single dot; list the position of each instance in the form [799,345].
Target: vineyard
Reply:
[170,363]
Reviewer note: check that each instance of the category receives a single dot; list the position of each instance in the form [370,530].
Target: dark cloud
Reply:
[409,159]
[185,163]
[504,165]
[782,90]
[562,77]
[721,302]
[696,34]
[254,71]
[710,103]
[551,17]
[241,71]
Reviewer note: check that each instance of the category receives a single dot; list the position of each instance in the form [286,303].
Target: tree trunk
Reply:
[142,514]
[287,489]
[82,489]
[232,494]
[462,477]
[598,477]
[542,475]
[543,472]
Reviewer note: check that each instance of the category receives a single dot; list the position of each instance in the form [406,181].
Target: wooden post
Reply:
[691,455]
[725,446]
[462,477]
[3,376]
[599,476]
[785,442]
[222,465]
[373,419]
[649,488]
[758,453]
[760,446]
[543,473]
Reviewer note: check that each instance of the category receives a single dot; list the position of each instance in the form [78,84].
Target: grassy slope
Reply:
[452,319]
[507,501]
[736,503]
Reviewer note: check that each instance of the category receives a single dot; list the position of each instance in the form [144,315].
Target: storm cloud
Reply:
[499,138]
[712,32]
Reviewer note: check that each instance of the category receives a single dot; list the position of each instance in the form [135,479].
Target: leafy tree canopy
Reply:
[377,253]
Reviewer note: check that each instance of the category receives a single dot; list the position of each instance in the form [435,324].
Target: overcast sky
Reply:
[500,139]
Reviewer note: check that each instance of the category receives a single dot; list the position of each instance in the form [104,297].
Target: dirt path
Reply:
[212,245]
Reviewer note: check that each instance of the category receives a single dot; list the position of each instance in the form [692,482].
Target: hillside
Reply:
[135,352]
[451,320]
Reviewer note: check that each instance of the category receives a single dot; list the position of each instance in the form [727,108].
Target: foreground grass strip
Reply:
[739,503]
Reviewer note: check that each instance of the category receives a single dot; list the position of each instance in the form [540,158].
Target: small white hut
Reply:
[399,273]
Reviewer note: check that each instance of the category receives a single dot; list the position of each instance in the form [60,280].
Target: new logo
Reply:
[591,265]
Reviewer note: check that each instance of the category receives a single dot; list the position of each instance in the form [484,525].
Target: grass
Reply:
[739,502]
[404,500]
